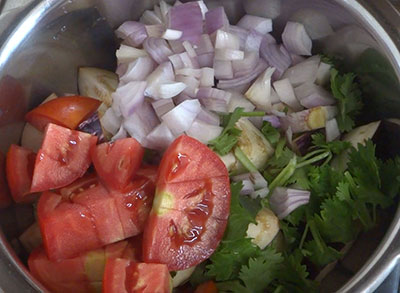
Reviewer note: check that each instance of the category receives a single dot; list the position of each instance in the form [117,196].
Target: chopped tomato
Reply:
[64,111]
[117,162]
[80,274]
[63,158]
[208,287]
[93,216]
[189,215]
[124,276]
[5,197]
[149,172]
[19,169]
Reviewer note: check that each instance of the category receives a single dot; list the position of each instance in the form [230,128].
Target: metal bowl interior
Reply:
[42,55]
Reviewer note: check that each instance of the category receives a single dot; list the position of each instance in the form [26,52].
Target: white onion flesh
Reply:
[160,138]
[286,94]
[163,106]
[225,40]
[127,54]
[296,39]
[260,24]
[110,121]
[315,22]
[138,70]
[312,95]
[197,131]
[260,92]
[228,54]
[303,72]
[332,130]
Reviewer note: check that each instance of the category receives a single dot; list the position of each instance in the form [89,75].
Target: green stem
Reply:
[313,160]
[316,235]
[303,237]
[241,156]
[285,175]
[253,114]
[309,155]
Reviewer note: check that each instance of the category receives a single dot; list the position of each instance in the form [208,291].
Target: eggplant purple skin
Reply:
[92,126]
[303,142]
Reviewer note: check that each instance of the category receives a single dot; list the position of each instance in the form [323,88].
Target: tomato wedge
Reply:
[93,215]
[80,274]
[64,111]
[63,158]
[125,276]
[189,215]
[5,197]
[19,169]
[116,163]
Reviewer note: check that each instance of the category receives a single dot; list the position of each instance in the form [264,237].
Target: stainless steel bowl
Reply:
[42,51]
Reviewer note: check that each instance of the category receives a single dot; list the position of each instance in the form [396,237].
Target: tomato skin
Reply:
[19,169]
[124,276]
[68,112]
[179,165]
[189,216]
[5,196]
[116,163]
[63,158]
[208,287]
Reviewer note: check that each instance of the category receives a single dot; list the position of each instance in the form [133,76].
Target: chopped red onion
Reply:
[256,121]
[323,74]
[253,41]
[158,49]
[241,89]
[176,61]
[274,97]
[157,11]
[176,46]
[225,40]
[206,60]
[255,178]
[286,94]
[223,69]
[296,59]
[312,95]
[332,130]
[274,120]
[289,137]
[177,3]
[259,24]
[216,19]
[187,18]
[208,117]
[204,45]
[155,30]
[132,32]
[261,193]
[238,100]
[166,90]
[163,106]
[149,17]
[248,187]
[283,201]
[260,91]
[138,70]
[121,69]
[160,138]
[180,119]
[207,77]
[228,55]
[204,132]
[164,9]
[305,71]
[189,49]
[121,134]
[181,98]
[203,7]
[127,54]
[188,61]
[296,39]
[189,72]
[232,83]
[110,121]
[162,74]
[241,33]
[263,8]
[316,23]
[129,97]
[276,56]
[214,99]
[172,35]
[192,85]
[245,66]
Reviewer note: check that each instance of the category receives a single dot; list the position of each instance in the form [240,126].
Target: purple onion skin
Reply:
[303,143]
[92,126]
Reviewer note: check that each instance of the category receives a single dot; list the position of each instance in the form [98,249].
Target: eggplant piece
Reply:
[182,277]
[92,126]
[265,230]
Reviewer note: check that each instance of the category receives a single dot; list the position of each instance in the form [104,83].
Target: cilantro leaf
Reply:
[324,180]
[336,147]
[281,158]
[348,94]
[390,177]
[232,286]
[270,133]
[321,258]
[300,178]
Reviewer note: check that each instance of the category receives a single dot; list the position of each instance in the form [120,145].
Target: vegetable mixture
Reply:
[218,158]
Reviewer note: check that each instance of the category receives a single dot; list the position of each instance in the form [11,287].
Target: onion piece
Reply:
[259,24]
[110,121]
[171,34]
[255,178]
[245,66]
[248,187]
[240,33]
[312,95]
[129,97]
[323,74]
[189,49]
[284,201]
[127,54]
[155,30]
[253,41]
[149,17]
[274,97]
[309,119]
[332,130]
[180,118]
[176,46]
[164,9]
[163,106]
[204,45]
[296,59]
[303,72]
[274,120]
[207,77]
[228,84]
[225,40]
[158,49]
[228,54]
[160,138]
[192,84]
[316,23]
[189,72]
[260,92]
[238,100]
[162,74]
[296,39]
[187,18]
[183,60]
[263,8]
[223,69]
[214,99]
[216,19]
[138,70]
[204,132]
[208,117]
[157,11]
[206,60]
[276,56]
[286,94]
[166,90]
[120,134]
[132,32]
[260,193]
